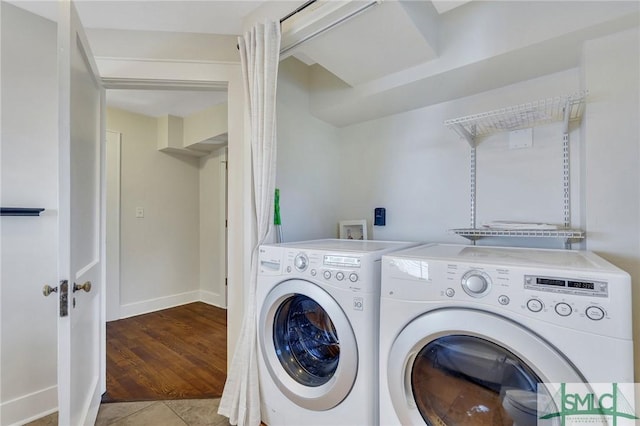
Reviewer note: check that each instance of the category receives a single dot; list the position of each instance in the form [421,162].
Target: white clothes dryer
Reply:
[317,321]
[467,333]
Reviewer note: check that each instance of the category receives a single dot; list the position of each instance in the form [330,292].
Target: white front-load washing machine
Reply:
[467,333]
[317,323]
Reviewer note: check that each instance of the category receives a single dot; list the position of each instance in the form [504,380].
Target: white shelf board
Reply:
[477,233]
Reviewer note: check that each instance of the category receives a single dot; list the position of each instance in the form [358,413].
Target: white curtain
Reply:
[260,55]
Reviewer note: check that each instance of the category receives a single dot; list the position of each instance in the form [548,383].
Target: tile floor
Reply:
[184,412]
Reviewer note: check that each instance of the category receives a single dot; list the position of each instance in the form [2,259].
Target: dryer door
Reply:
[307,344]
[468,367]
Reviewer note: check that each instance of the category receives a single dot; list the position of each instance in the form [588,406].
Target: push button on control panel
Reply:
[503,299]
[450,292]
[594,313]
[326,275]
[534,305]
[353,277]
[563,309]
[339,276]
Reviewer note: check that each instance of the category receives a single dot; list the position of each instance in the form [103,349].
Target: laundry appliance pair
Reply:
[439,335]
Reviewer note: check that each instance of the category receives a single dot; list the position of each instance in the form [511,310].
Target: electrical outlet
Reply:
[139,212]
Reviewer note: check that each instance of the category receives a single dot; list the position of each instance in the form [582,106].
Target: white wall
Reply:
[308,155]
[212,231]
[418,169]
[187,234]
[160,253]
[612,158]
[29,244]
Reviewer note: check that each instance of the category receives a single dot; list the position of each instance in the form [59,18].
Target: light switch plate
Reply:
[139,212]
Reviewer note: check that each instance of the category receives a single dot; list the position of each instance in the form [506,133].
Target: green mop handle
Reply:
[276,215]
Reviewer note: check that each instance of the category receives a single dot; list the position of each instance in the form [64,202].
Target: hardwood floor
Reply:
[177,353]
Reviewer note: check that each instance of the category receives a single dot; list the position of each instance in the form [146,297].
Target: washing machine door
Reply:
[467,367]
[307,344]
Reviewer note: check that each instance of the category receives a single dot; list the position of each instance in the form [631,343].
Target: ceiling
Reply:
[200,16]
[396,56]
[226,17]
[203,17]
[158,103]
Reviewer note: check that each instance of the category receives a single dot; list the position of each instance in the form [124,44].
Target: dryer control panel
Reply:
[563,285]
[584,300]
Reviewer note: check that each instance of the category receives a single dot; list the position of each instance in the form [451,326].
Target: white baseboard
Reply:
[214,299]
[152,305]
[30,407]
[160,303]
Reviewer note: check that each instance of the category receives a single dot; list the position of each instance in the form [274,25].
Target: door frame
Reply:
[223,191]
[112,227]
[127,73]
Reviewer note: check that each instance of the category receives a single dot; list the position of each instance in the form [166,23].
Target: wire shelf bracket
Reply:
[530,114]
[472,128]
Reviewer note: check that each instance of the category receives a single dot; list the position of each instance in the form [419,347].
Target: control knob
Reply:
[301,262]
[476,283]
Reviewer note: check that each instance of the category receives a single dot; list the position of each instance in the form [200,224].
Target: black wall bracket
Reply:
[20,211]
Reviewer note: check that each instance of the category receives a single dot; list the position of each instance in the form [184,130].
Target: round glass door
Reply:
[466,380]
[307,344]
[306,341]
[459,367]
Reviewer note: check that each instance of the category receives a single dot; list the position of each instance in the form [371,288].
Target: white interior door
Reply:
[80,328]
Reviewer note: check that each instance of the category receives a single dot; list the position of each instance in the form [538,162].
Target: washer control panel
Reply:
[342,270]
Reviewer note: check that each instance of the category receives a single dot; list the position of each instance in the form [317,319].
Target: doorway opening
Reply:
[166,264]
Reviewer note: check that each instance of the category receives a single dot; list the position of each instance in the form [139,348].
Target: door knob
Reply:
[86,287]
[47,290]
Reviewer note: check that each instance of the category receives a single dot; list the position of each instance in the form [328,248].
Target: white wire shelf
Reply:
[517,117]
[477,233]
